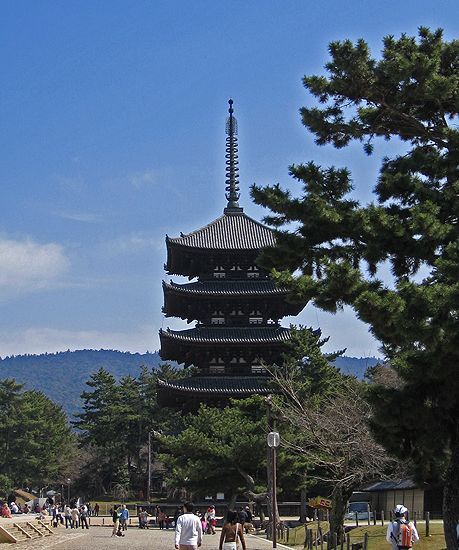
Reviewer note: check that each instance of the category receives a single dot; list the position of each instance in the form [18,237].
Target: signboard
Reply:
[320,502]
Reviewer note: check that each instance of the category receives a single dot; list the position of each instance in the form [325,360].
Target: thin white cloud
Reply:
[84,217]
[45,339]
[27,266]
[133,243]
[143,179]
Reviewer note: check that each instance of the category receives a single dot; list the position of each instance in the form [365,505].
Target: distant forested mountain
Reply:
[356,365]
[62,376]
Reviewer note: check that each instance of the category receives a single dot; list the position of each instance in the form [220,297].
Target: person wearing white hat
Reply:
[401,533]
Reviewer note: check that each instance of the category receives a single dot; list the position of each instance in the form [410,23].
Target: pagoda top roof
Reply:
[223,385]
[229,335]
[231,231]
[227,288]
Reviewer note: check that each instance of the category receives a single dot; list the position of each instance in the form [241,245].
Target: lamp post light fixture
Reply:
[68,490]
[273,443]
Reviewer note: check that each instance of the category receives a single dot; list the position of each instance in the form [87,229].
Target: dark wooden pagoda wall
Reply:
[248,312]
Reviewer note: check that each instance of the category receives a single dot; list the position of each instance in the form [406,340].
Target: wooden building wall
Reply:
[413,499]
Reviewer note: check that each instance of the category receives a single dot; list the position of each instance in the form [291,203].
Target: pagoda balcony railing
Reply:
[230,370]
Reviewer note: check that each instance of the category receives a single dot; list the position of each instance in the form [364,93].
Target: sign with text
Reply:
[320,502]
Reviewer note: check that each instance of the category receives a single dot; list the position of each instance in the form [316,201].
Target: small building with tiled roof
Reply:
[235,305]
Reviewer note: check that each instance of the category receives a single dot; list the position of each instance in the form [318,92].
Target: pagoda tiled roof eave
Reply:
[223,385]
[226,288]
[231,231]
[229,336]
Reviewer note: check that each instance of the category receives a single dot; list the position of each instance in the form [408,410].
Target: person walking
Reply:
[401,533]
[211,520]
[203,524]
[84,516]
[178,512]
[124,516]
[188,530]
[116,520]
[248,525]
[232,531]
[75,517]
[68,516]
[96,509]
[161,518]
[139,517]
[242,517]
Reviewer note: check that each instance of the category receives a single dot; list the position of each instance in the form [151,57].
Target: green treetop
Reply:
[336,254]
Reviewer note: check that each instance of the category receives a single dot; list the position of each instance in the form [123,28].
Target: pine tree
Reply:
[219,449]
[411,96]
[100,426]
[36,444]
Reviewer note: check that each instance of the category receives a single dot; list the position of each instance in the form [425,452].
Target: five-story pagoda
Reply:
[235,305]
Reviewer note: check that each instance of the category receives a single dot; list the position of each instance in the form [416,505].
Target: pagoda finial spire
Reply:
[232,170]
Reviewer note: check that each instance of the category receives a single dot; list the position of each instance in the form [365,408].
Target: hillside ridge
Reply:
[62,375]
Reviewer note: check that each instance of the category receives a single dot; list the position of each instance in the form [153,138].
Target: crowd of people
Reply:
[7,510]
[161,519]
[189,524]
[71,515]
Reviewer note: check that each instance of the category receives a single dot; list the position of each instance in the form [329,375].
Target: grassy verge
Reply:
[376,537]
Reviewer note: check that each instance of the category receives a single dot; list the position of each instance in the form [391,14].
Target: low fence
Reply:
[372,519]
[316,534]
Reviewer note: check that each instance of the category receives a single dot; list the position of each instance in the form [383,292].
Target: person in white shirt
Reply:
[188,530]
[75,517]
[393,528]
[68,516]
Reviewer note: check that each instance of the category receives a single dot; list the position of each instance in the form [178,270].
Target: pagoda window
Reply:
[255,317]
[216,366]
[219,272]
[217,318]
[216,369]
[236,268]
[255,320]
[237,313]
[253,272]
[258,369]
[238,361]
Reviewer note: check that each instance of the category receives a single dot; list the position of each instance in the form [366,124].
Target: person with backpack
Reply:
[401,533]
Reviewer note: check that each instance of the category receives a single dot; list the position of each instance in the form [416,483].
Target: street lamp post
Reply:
[273,443]
[149,468]
[68,490]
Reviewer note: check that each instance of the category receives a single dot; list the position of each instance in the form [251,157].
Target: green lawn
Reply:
[376,537]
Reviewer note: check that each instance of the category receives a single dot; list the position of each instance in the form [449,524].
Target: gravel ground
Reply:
[99,538]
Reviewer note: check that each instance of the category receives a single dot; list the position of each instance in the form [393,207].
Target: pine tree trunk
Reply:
[303,506]
[232,501]
[340,497]
[451,500]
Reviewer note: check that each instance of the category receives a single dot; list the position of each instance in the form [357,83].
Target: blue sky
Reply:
[112,119]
